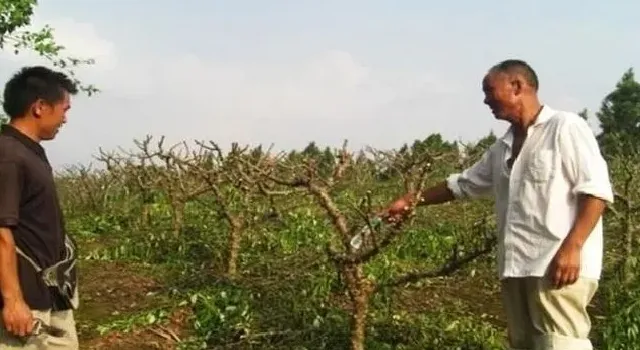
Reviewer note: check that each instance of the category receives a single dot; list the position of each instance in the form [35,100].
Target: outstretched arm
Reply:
[473,182]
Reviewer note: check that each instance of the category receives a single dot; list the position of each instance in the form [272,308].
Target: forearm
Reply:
[9,283]
[402,206]
[590,210]
[437,194]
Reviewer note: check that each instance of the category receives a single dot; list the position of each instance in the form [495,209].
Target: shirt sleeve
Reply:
[583,162]
[476,181]
[10,191]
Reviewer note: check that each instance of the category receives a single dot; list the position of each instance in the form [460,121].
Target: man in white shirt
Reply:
[550,184]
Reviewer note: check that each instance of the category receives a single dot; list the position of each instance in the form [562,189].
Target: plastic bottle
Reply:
[356,241]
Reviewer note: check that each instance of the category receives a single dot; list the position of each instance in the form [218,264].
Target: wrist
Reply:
[417,198]
[573,243]
[12,297]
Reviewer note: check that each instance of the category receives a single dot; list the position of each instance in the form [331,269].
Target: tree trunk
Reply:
[145,216]
[177,217]
[629,231]
[233,249]
[629,266]
[359,291]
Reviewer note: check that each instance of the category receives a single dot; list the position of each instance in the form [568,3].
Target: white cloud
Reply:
[80,39]
[331,85]
[326,98]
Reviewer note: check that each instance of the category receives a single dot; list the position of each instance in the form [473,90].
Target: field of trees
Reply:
[195,245]
[204,246]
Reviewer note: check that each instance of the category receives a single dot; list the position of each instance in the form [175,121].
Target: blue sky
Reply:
[379,73]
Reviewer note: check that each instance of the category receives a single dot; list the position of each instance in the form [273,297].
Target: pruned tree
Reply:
[350,255]
[93,187]
[157,167]
[231,184]
[180,185]
[137,177]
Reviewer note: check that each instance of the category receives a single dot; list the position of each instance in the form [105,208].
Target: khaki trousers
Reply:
[60,319]
[541,317]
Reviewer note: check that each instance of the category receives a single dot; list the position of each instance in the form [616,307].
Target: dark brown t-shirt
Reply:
[29,206]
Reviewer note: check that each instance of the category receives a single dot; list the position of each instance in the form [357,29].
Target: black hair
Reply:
[30,84]
[515,66]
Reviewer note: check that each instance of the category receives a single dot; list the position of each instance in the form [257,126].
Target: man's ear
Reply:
[38,108]
[517,86]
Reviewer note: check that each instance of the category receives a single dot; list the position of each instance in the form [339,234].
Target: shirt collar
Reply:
[11,131]
[545,114]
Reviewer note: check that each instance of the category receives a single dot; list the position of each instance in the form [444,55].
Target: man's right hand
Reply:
[402,207]
[399,209]
[17,317]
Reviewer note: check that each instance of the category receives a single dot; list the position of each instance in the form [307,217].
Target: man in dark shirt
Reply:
[37,258]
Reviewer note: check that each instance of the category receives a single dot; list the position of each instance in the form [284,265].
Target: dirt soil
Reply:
[113,290]
[476,295]
[165,336]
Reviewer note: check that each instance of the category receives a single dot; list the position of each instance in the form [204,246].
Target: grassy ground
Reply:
[120,303]
[131,305]
[128,305]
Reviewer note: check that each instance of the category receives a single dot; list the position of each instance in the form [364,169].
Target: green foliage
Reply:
[436,330]
[433,143]
[621,326]
[129,322]
[222,314]
[619,116]
[15,16]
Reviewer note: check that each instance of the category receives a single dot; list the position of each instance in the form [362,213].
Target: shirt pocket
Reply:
[541,166]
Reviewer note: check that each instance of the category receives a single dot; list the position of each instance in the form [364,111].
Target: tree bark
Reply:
[630,266]
[359,291]
[177,217]
[145,216]
[233,249]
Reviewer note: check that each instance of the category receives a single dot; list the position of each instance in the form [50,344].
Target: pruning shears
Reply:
[40,327]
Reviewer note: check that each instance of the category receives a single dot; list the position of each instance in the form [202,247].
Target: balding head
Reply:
[515,68]
[510,89]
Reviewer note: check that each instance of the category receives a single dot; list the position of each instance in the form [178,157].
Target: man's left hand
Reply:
[565,266]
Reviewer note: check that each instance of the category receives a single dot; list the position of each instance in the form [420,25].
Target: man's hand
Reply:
[399,209]
[565,266]
[17,317]
[402,207]
[16,314]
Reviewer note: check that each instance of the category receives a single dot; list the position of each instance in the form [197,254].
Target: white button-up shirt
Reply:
[536,202]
